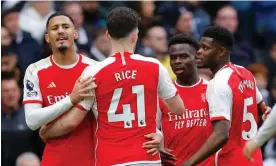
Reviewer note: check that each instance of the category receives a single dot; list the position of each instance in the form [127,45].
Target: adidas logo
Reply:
[52,85]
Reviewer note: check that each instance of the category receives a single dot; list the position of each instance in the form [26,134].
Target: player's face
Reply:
[182,59]
[207,53]
[61,33]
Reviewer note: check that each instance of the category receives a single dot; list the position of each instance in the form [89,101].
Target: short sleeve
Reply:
[166,88]
[87,103]
[159,114]
[259,96]
[31,91]
[219,100]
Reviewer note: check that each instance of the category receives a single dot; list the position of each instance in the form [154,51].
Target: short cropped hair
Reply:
[221,35]
[59,14]
[183,38]
[121,21]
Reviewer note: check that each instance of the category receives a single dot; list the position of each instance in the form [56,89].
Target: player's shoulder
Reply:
[39,65]
[243,71]
[145,59]
[223,76]
[220,82]
[205,82]
[89,61]
[98,66]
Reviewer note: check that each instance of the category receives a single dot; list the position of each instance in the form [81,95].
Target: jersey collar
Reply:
[191,86]
[66,66]
[118,54]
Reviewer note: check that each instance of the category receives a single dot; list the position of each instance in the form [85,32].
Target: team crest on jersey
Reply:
[203,97]
[30,88]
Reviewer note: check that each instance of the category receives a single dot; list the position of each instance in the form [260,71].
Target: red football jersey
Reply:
[186,134]
[46,83]
[126,106]
[233,95]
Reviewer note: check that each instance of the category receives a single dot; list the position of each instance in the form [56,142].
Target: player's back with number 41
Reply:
[126,95]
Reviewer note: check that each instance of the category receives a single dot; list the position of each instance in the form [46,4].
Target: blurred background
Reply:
[23,43]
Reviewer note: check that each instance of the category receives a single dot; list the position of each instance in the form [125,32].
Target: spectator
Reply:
[5,37]
[265,24]
[16,136]
[146,10]
[189,15]
[102,47]
[156,45]
[272,100]
[23,45]
[12,4]
[184,23]
[84,39]
[27,159]
[33,18]
[242,52]
[9,62]
[94,16]
[270,63]
[260,73]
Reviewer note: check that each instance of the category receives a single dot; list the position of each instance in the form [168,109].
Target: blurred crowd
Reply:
[22,43]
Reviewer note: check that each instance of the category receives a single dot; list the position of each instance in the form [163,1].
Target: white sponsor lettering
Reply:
[54,99]
[189,118]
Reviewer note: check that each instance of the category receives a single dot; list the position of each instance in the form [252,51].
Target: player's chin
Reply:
[62,48]
[178,72]
[201,66]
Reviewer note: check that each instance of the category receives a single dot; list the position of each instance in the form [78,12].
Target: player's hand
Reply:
[42,133]
[154,144]
[167,158]
[249,148]
[82,88]
[266,112]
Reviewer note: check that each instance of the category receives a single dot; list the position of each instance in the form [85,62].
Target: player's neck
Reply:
[188,81]
[121,47]
[219,66]
[67,58]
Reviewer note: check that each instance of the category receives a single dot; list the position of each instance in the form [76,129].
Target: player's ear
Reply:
[47,38]
[223,51]
[76,34]
[134,37]
[107,35]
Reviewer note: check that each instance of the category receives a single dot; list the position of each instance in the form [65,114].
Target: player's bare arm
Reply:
[217,139]
[63,126]
[74,117]
[264,133]
[36,116]
[263,111]
[175,105]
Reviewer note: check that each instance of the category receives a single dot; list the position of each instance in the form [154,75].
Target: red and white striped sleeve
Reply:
[219,96]
[31,91]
